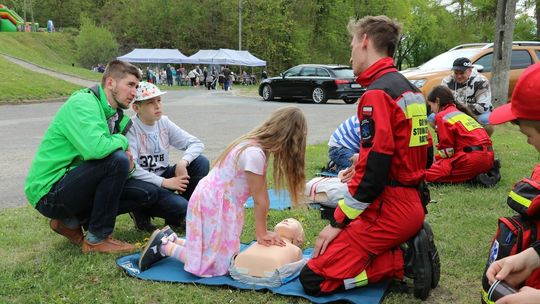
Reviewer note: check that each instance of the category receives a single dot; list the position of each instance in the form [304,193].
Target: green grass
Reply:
[55,51]
[20,84]
[38,265]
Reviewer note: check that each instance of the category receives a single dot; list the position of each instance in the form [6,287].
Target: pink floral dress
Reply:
[215,214]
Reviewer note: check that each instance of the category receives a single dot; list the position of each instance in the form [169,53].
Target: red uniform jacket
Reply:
[394,138]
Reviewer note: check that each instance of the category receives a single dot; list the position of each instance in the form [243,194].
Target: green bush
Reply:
[95,44]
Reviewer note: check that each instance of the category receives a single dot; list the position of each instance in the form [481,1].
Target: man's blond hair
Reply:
[382,31]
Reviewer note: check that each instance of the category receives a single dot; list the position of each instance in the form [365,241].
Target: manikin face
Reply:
[292,230]
[358,54]
[527,127]
[149,111]
[462,76]
[123,91]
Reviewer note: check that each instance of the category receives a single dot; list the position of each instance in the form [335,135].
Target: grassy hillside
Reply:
[18,83]
[51,50]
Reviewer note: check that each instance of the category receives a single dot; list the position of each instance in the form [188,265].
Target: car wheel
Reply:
[267,93]
[319,95]
[350,100]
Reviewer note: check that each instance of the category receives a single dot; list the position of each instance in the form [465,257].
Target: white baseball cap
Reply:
[147,90]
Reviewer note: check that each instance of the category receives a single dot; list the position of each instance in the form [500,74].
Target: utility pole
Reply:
[239,25]
[502,51]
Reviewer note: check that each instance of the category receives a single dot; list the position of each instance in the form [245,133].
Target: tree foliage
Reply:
[282,32]
[94,44]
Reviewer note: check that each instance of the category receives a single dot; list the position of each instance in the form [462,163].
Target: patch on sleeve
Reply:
[367,111]
[367,131]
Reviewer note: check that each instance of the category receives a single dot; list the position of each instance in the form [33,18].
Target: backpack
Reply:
[514,234]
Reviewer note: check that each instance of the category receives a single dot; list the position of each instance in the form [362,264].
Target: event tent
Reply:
[155,56]
[225,56]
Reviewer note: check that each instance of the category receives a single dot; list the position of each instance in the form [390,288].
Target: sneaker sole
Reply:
[422,279]
[433,256]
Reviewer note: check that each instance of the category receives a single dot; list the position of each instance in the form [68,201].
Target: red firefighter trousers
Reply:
[461,167]
[371,242]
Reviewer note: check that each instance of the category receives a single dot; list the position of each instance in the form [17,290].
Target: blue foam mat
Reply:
[279,200]
[172,270]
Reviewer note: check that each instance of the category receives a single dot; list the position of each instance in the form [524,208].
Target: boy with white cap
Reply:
[525,112]
[149,139]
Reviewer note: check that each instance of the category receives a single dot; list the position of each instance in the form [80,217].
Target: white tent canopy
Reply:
[225,56]
[155,56]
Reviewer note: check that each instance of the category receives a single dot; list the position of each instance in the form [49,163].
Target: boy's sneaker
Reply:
[142,222]
[433,256]
[418,265]
[151,253]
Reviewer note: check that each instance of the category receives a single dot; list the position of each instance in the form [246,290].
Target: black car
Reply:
[317,82]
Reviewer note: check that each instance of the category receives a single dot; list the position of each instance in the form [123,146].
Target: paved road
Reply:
[36,68]
[216,117]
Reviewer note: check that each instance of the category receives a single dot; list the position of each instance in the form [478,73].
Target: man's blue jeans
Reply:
[341,156]
[171,206]
[95,192]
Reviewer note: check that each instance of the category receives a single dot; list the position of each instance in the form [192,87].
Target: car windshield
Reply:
[344,73]
[444,61]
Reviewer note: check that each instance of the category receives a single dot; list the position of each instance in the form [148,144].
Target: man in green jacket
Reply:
[79,173]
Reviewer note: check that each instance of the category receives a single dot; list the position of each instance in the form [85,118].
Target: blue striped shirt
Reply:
[347,135]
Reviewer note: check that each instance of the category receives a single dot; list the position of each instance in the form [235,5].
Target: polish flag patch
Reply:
[367,111]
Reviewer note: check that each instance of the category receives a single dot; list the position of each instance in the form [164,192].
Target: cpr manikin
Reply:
[272,265]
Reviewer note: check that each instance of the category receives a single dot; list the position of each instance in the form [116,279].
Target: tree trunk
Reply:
[506,12]
[537,15]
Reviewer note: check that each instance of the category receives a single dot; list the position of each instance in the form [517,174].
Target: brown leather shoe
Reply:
[109,245]
[74,235]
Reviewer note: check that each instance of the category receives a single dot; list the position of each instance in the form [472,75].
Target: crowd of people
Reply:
[95,163]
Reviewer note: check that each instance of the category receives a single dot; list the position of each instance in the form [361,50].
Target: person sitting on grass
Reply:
[465,151]
[524,111]
[344,145]
[149,138]
[215,215]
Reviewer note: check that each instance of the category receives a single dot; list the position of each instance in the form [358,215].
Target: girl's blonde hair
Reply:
[282,136]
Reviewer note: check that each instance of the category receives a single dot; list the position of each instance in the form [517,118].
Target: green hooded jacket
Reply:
[78,132]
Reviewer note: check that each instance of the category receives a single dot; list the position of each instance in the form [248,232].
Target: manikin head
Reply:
[292,230]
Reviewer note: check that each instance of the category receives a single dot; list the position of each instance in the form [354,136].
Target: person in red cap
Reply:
[524,111]
[465,150]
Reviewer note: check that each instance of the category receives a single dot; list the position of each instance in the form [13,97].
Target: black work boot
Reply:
[433,256]
[142,222]
[418,264]
[490,178]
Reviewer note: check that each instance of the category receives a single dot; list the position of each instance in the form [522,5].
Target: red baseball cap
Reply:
[525,102]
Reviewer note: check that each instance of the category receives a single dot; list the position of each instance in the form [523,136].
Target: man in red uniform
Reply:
[383,208]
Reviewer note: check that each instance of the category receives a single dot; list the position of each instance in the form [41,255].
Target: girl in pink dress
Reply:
[215,215]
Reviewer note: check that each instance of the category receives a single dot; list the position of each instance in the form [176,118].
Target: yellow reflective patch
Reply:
[419,132]
[520,199]
[350,212]
[468,122]
[361,279]
[485,297]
